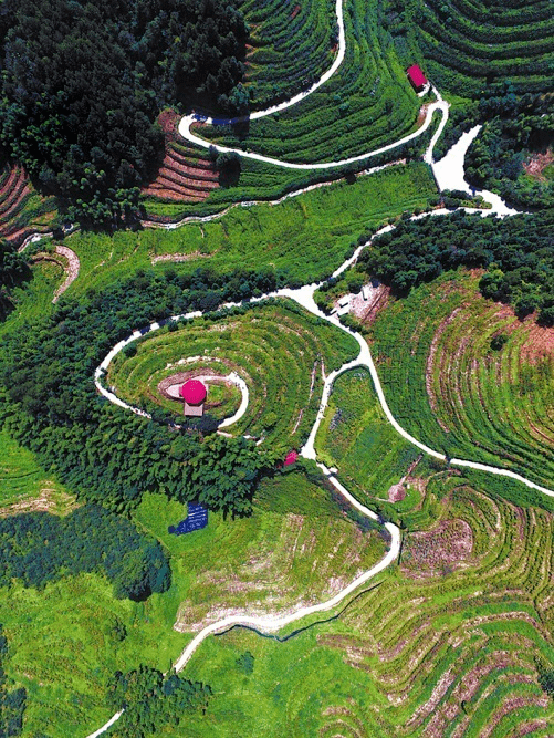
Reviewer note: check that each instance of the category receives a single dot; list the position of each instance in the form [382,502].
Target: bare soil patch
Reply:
[442,549]
[537,163]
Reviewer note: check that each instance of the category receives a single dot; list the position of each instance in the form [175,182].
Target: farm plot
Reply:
[292,46]
[22,210]
[456,653]
[368,103]
[449,387]
[303,239]
[356,437]
[278,349]
[467,45]
[297,548]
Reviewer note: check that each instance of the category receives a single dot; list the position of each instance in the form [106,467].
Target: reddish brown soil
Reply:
[182,177]
[537,163]
[297,9]
[444,548]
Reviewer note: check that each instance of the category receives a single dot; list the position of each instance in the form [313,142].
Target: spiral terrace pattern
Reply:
[390,618]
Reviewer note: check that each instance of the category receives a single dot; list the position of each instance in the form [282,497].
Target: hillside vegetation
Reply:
[82,84]
[367,103]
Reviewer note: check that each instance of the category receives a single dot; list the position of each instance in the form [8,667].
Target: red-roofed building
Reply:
[194,394]
[290,458]
[416,77]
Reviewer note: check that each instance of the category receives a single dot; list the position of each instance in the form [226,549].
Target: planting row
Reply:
[280,352]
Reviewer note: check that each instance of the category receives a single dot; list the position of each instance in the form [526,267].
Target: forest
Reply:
[13,270]
[104,453]
[12,702]
[515,130]
[518,253]
[38,547]
[82,85]
[153,701]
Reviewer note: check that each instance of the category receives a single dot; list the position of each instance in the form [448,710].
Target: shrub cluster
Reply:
[518,252]
[39,547]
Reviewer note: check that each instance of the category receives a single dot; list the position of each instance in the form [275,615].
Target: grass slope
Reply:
[356,437]
[304,238]
[450,648]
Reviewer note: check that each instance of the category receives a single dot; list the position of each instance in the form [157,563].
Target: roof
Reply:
[416,76]
[290,458]
[193,392]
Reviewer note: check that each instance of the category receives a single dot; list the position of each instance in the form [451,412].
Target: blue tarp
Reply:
[196,520]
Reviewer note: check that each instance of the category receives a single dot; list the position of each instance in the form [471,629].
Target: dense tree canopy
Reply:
[13,269]
[12,702]
[153,701]
[82,83]
[39,547]
[519,252]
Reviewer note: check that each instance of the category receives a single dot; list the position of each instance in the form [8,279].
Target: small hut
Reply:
[194,394]
[416,78]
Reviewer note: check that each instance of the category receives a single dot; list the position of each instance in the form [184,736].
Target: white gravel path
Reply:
[449,173]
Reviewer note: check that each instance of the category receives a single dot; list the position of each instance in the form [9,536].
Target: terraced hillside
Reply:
[452,646]
[22,210]
[366,104]
[278,349]
[292,45]
[449,387]
[184,176]
[356,438]
[468,45]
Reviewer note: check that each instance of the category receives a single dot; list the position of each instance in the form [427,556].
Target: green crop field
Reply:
[448,645]
[449,388]
[304,239]
[23,484]
[263,562]
[356,438]
[292,45]
[366,104]
[278,349]
[467,46]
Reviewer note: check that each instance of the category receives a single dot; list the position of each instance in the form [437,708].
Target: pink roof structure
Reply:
[416,76]
[290,458]
[193,392]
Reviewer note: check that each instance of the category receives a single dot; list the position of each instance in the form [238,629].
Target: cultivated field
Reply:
[448,386]
[450,646]
[356,438]
[292,46]
[278,349]
[468,45]
[366,104]
[303,239]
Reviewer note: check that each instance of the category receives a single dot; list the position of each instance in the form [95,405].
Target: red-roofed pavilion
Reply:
[194,394]
[416,77]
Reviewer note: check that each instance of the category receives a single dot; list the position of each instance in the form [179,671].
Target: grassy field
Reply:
[64,639]
[356,437]
[366,104]
[24,485]
[278,349]
[449,388]
[304,238]
[447,646]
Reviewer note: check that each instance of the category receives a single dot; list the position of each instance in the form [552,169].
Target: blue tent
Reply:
[196,520]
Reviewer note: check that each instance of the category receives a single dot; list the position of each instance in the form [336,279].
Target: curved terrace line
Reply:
[305,297]
[440,105]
